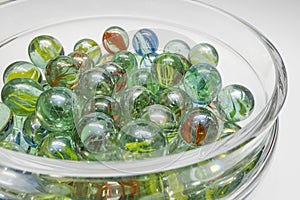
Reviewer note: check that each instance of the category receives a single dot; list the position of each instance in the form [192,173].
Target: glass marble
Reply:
[21,69]
[89,47]
[62,71]
[21,95]
[134,100]
[163,117]
[125,59]
[54,109]
[167,69]
[33,131]
[57,145]
[118,74]
[235,102]
[96,81]
[199,126]
[115,39]
[177,46]
[202,82]
[83,61]
[103,104]
[145,41]
[44,48]
[204,53]
[185,62]
[141,139]
[177,100]
[147,60]
[105,58]
[6,121]
[142,77]
[97,132]
[228,128]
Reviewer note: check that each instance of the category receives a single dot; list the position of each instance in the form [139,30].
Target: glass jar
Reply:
[229,168]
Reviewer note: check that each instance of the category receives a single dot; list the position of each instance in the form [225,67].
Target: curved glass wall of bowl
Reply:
[181,175]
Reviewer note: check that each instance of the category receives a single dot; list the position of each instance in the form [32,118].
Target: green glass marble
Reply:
[228,128]
[54,109]
[177,46]
[115,39]
[44,48]
[199,126]
[235,102]
[83,61]
[142,77]
[134,100]
[62,71]
[176,99]
[185,62]
[202,82]
[164,118]
[103,104]
[21,69]
[167,69]
[204,53]
[33,131]
[125,59]
[118,74]
[6,121]
[97,133]
[96,81]
[11,146]
[89,47]
[57,145]
[21,95]
[141,139]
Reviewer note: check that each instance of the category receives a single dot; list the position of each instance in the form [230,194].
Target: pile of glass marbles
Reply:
[105,103]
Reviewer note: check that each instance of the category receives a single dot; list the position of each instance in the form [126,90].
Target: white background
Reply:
[279,21]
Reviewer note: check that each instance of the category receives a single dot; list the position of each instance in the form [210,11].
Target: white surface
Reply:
[279,21]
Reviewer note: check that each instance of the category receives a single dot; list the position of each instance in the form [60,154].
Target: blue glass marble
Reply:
[199,126]
[202,82]
[235,102]
[145,41]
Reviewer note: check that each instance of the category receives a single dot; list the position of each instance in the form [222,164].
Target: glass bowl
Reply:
[229,168]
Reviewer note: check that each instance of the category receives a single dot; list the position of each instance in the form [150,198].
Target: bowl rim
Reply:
[263,120]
